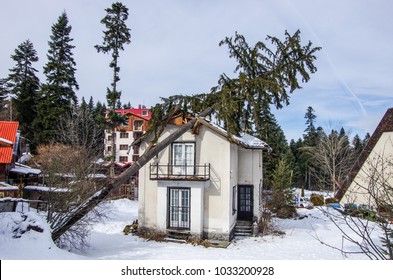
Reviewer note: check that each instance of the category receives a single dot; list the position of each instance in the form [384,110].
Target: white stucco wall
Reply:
[359,190]
[211,201]
[250,173]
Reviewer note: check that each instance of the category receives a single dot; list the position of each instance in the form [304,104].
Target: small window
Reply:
[138,124]
[123,134]
[123,159]
[123,147]
[144,113]
[137,135]
[135,158]
[110,138]
[136,150]
[109,148]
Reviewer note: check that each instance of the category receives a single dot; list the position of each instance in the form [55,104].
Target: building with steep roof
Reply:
[373,169]
[204,184]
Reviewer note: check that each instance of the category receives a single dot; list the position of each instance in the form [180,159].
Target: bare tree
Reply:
[331,160]
[69,175]
[81,129]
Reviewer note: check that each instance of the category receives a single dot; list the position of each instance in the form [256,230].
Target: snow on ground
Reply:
[107,241]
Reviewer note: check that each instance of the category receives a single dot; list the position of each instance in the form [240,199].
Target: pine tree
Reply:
[116,35]
[282,194]
[4,92]
[271,132]
[24,84]
[58,93]
[357,146]
[310,136]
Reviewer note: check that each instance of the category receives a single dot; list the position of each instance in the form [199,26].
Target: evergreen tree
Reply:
[310,136]
[58,93]
[366,138]
[116,35]
[24,84]
[4,92]
[90,105]
[270,131]
[357,146]
[282,194]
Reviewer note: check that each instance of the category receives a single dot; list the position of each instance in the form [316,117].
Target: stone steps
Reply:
[243,229]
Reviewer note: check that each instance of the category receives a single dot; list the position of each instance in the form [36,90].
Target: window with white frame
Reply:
[138,125]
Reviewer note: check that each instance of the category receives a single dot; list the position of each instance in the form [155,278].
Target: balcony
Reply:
[180,172]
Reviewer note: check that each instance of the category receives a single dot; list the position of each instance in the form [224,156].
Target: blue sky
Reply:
[174,50]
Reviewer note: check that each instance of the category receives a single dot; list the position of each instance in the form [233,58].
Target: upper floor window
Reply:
[123,147]
[144,113]
[110,138]
[183,155]
[138,124]
[123,159]
[137,135]
[123,134]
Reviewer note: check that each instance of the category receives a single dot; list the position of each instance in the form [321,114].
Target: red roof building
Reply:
[8,132]
[8,136]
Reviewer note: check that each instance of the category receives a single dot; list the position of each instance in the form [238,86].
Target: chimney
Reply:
[139,106]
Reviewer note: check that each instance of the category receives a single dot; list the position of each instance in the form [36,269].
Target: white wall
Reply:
[359,190]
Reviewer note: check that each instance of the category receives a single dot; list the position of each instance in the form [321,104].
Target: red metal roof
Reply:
[7,131]
[142,112]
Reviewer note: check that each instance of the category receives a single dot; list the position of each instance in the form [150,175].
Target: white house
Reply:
[203,183]
[373,170]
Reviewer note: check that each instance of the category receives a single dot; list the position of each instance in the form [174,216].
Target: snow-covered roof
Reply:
[7,187]
[5,142]
[45,189]
[25,170]
[246,140]
[71,175]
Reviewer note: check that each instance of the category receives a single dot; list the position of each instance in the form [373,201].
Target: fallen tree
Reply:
[265,76]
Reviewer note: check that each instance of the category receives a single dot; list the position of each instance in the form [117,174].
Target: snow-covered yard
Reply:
[107,240]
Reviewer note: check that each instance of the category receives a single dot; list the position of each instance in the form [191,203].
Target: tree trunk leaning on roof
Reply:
[116,182]
[263,75]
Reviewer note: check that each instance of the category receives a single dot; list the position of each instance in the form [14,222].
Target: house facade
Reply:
[373,169]
[203,183]
[136,126]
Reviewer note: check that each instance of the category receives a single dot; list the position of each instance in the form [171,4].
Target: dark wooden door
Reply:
[245,202]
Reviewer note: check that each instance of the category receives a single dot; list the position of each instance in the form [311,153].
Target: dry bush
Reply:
[151,234]
[198,241]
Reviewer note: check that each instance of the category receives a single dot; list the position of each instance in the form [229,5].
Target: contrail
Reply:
[330,61]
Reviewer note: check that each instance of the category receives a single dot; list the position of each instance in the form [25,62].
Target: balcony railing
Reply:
[180,172]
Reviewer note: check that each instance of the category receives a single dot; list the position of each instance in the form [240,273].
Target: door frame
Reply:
[245,204]
[182,210]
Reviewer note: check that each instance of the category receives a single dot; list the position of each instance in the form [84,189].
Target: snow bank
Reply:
[28,236]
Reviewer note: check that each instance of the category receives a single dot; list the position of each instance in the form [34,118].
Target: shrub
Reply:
[264,222]
[198,241]
[317,199]
[151,234]
[331,200]
[286,212]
